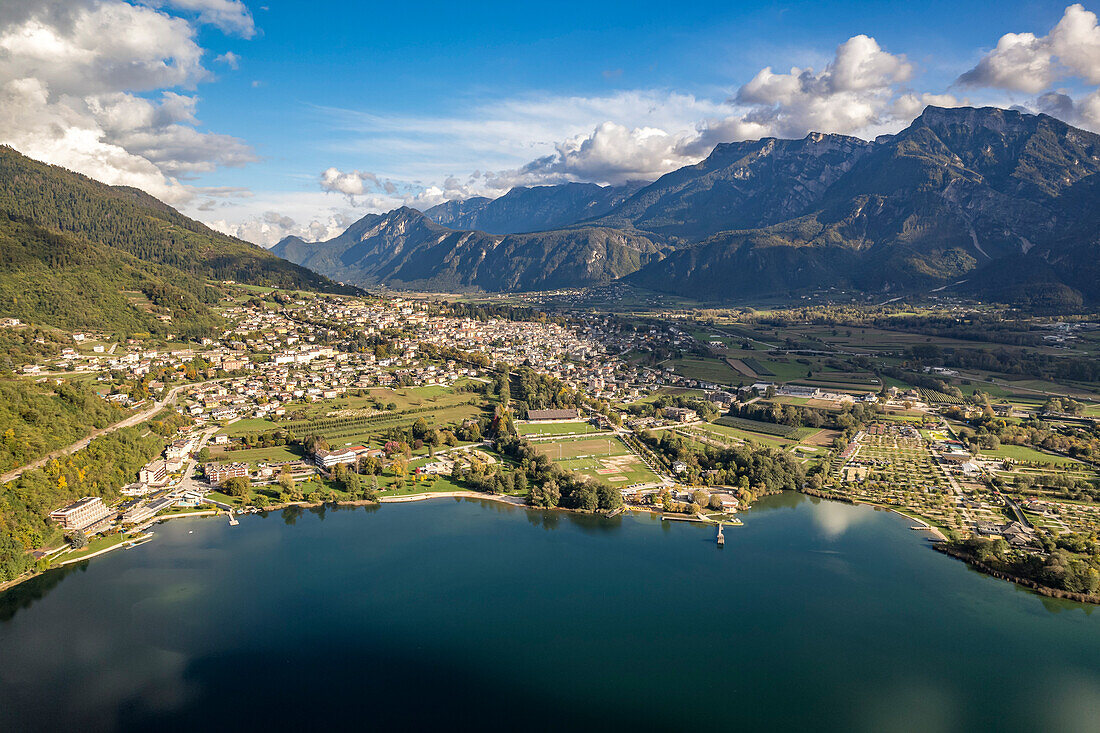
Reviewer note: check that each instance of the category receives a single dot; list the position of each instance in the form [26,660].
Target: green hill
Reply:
[76,254]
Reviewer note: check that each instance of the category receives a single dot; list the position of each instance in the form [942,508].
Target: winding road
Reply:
[83,442]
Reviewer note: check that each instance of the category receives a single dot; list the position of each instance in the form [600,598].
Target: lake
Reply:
[471,615]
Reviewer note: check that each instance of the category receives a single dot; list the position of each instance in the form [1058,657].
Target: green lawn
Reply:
[745,435]
[277,453]
[248,425]
[554,428]
[95,545]
[1026,453]
[708,370]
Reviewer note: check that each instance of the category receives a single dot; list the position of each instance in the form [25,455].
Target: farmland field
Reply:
[757,426]
[253,456]
[708,370]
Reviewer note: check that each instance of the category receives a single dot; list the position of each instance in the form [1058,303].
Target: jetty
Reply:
[233,521]
[721,537]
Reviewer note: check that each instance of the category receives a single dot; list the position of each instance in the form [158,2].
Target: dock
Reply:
[721,537]
[233,522]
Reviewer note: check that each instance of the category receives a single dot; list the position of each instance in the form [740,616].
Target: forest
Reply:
[106,465]
[38,418]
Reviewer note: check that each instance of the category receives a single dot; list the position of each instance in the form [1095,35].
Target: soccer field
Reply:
[539,429]
[606,460]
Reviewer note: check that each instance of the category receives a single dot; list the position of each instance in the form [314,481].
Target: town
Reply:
[306,399]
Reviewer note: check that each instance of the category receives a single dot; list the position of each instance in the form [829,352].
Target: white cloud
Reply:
[851,95]
[95,48]
[641,135]
[231,16]
[1028,63]
[230,59]
[268,217]
[71,73]
[351,183]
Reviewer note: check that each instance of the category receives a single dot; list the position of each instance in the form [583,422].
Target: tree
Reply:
[239,486]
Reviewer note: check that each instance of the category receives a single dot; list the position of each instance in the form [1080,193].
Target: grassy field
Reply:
[1026,453]
[767,428]
[97,544]
[254,456]
[535,430]
[248,425]
[708,370]
[606,460]
[744,436]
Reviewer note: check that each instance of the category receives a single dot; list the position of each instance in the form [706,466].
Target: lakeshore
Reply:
[939,541]
[416,584]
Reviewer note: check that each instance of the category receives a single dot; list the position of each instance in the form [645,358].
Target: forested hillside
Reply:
[36,419]
[54,279]
[78,254]
[106,465]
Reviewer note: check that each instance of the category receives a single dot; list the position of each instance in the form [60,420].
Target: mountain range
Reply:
[79,254]
[999,203]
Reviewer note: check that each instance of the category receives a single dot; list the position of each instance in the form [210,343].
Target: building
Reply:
[797,390]
[681,414]
[154,473]
[82,515]
[569,414]
[217,472]
[327,459]
[718,397]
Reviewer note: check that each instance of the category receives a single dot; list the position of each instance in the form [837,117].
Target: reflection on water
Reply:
[457,615]
[25,594]
[834,518]
[782,500]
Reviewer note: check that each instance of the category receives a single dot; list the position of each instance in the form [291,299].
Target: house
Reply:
[730,503]
[82,515]
[797,390]
[679,466]
[681,414]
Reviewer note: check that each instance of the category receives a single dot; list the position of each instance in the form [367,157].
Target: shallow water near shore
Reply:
[475,615]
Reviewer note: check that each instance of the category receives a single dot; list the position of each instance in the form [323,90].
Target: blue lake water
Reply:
[470,615]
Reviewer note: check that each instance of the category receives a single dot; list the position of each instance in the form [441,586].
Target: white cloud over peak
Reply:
[641,135]
[1025,62]
[852,94]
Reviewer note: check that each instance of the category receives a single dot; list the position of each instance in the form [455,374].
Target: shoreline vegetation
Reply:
[941,544]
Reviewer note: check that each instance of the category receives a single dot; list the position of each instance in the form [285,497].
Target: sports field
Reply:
[539,429]
[606,460]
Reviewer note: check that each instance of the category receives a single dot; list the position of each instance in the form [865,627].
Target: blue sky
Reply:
[298,117]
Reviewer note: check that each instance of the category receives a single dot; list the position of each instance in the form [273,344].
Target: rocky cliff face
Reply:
[1007,203]
[406,249]
[532,209]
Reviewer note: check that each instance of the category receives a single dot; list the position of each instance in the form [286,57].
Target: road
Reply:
[83,442]
[187,482]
